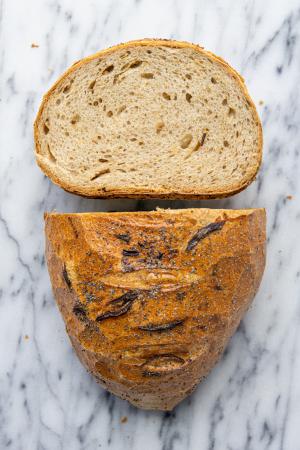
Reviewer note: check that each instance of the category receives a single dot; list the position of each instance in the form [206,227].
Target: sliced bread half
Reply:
[150,299]
[149,118]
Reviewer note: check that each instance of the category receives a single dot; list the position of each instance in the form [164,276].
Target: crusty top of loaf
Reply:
[150,299]
[149,118]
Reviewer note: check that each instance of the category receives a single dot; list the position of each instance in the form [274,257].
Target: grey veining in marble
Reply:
[251,400]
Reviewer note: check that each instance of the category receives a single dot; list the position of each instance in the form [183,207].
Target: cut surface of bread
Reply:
[150,299]
[150,118]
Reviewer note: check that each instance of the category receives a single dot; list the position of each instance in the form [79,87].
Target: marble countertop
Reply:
[48,401]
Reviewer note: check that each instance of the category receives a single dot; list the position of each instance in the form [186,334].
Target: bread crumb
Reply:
[289,197]
[33,45]
[261,102]
[26,337]
[124,419]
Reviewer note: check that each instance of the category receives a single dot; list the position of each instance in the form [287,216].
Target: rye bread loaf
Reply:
[149,118]
[150,299]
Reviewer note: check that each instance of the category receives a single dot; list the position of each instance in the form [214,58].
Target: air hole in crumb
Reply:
[75,119]
[231,112]
[147,75]
[46,129]
[125,54]
[67,88]
[237,134]
[50,154]
[226,144]
[121,109]
[67,133]
[209,112]
[166,96]
[135,64]
[102,160]
[109,113]
[141,143]
[58,101]
[213,80]
[108,69]
[133,139]
[95,103]
[159,127]
[149,52]
[188,76]
[224,102]
[99,174]
[198,145]
[186,140]
[128,122]
[92,84]
[188,97]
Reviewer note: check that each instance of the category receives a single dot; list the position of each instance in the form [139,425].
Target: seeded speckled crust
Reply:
[150,299]
[150,118]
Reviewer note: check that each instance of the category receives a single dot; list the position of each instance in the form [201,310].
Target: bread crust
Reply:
[91,192]
[150,299]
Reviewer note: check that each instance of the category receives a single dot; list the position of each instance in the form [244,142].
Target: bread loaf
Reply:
[149,118]
[150,299]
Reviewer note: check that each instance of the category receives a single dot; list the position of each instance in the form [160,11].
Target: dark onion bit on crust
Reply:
[218,287]
[123,237]
[148,373]
[203,233]
[66,277]
[131,252]
[80,312]
[120,305]
[160,255]
[161,327]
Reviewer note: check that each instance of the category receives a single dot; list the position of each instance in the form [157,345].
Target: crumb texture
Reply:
[149,118]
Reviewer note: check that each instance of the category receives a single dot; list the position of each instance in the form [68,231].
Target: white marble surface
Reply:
[47,400]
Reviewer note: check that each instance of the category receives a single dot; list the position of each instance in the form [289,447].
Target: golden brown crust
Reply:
[138,193]
[150,299]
